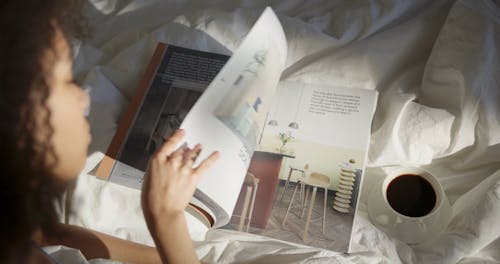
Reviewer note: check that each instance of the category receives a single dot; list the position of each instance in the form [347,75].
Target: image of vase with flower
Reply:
[284,137]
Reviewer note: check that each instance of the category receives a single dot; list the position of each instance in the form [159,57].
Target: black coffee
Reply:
[411,195]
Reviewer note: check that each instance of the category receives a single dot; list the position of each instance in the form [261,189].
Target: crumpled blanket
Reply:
[435,65]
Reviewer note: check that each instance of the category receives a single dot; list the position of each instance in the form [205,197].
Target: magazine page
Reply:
[174,80]
[323,133]
[231,113]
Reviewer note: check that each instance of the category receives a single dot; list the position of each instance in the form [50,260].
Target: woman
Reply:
[44,140]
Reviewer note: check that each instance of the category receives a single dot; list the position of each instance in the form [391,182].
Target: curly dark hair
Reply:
[28,190]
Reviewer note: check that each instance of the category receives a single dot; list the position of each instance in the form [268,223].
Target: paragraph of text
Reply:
[324,102]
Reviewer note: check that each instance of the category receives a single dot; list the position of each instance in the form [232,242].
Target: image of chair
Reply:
[252,183]
[314,181]
[290,172]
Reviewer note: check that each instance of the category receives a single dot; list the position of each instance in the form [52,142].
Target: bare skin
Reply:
[163,204]
[169,184]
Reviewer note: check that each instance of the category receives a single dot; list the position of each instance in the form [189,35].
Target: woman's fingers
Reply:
[177,157]
[191,156]
[169,146]
[171,179]
[206,164]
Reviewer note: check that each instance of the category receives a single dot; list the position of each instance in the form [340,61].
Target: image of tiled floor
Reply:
[337,227]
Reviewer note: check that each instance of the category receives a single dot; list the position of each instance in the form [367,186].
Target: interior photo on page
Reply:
[303,181]
[175,79]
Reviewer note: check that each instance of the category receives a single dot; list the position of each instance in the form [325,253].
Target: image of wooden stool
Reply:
[292,169]
[252,183]
[314,181]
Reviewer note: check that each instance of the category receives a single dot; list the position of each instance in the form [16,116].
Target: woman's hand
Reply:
[169,184]
[171,179]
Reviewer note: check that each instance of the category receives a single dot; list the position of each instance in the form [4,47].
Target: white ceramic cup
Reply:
[412,230]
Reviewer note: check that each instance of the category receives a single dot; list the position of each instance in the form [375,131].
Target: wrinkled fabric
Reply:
[435,65]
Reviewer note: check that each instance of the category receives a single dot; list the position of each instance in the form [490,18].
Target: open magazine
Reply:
[229,104]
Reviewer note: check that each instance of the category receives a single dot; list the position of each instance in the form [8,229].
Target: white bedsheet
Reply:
[436,65]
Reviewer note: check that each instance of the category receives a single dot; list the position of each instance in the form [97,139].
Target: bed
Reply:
[435,64]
